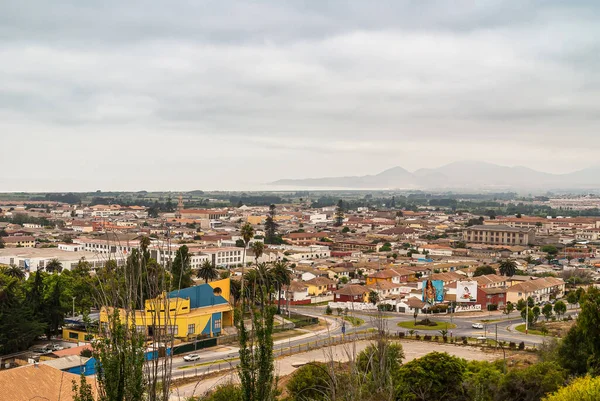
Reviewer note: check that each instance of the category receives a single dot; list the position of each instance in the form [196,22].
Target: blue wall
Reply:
[211,324]
[200,296]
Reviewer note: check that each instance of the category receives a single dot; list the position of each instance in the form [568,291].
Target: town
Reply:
[459,268]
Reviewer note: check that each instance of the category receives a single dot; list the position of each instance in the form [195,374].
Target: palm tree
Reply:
[249,291]
[508,267]
[247,232]
[207,271]
[236,290]
[54,266]
[258,249]
[282,276]
[264,278]
[14,272]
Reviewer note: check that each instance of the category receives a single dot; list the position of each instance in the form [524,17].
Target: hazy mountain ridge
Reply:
[466,174]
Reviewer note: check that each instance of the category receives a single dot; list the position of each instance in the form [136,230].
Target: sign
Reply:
[433,291]
[466,291]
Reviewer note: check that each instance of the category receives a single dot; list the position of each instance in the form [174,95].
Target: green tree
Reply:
[83,391]
[283,276]
[508,267]
[433,377]
[482,380]
[536,313]
[54,266]
[581,389]
[521,304]
[225,392]
[373,297]
[560,308]
[207,271]
[312,381]
[483,270]
[181,269]
[509,308]
[247,233]
[271,226]
[532,383]
[339,214]
[573,297]
[547,311]
[258,248]
[386,247]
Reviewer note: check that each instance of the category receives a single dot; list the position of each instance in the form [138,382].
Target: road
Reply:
[226,357]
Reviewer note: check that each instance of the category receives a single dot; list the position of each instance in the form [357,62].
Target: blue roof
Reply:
[200,296]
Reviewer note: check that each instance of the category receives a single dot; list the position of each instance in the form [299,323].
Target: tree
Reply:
[271,226]
[258,249]
[207,271]
[181,269]
[508,267]
[560,308]
[54,266]
[532,383]
[581,389]
[225,392]
[536,313]
[339,214]
[550,250]
[247,233]
[312,381]
[509,308]
[373,297]
[433,377]
[527,315]
[547,311]
[483,270]
[14,272]
[386,247]
[283,276]
[240,243]
[521,304]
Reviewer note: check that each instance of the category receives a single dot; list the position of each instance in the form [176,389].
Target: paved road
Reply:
[225,357]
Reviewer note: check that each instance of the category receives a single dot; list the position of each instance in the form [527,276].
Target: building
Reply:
[499,235]
[348,245]
[394,275]
[296,293]
[486,297]
[351,293]
[199,311]
[39,382]
[18,241]
[32,259]
[540,289]
[320,286]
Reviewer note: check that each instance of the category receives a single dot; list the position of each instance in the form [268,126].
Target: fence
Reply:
[195,345]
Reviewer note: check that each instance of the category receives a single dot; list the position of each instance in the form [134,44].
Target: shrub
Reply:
[427,337]
[426,322]
[582,389]
[521,345]
[445,339]
[436,338]
[328,310]
[418,336]
[401,334]
[512,345]
[465,341]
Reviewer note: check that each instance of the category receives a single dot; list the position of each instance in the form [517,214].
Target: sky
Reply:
[183,95]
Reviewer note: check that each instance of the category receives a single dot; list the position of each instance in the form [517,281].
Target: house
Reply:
[385,289]
[541,289]
[410,305]
[491,296]
[75,364]
[39,382]
[351,293]
[491,281]
[296,293]
[499,234]
[319,286]
[394,275]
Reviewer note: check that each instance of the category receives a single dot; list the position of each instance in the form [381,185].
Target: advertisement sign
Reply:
[433,291]
[466,291]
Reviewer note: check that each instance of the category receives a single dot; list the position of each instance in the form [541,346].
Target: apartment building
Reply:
[499,235]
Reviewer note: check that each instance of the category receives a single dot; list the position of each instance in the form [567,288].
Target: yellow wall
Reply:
[374,280]
[316,290]
[81,335]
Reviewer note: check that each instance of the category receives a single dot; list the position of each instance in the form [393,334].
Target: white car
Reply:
[477,326]
[57,347]
[191,357]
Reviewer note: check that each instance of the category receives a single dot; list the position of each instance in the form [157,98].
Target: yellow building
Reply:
[255,220]
[202,310]
[319,286]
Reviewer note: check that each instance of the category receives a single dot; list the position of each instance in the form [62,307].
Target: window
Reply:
[217,323]
[174,330]
[191,329]
[73,335]
[140,329]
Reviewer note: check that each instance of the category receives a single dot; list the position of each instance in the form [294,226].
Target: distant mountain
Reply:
[458,175]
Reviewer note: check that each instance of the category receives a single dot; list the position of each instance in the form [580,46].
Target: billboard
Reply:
[433,291]
[466,291]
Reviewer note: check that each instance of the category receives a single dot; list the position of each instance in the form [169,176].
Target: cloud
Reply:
[215,94]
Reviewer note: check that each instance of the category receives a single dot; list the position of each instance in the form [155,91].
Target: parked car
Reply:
[57,347]
[191,357]
[477,326]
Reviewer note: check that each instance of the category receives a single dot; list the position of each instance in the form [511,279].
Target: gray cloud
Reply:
[203,94]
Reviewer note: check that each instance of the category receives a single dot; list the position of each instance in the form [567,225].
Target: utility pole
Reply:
[526,315]
[496,335]
[73,306]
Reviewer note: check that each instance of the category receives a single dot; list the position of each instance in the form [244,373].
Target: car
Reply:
[191,357]
[477,326]
[57,347]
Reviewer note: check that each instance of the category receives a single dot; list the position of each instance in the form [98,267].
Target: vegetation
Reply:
[484,270]
[426,325]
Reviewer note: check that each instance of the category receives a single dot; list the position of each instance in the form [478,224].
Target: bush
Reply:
[582,389]
[427,337]
[426,322]
[309,382]
[521,345]
[436,338]
[418,336]
[401,334]
[225,392]
[328,310]
[465,341]
[445,339]
[512,345]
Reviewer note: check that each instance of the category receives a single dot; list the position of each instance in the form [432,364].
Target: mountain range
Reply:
[458,175]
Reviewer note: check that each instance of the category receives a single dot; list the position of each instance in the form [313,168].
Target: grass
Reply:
[521,329]
[207,363]
[355,321]
[438,326]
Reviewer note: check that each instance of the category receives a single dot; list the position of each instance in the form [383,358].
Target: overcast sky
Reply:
[177,95]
